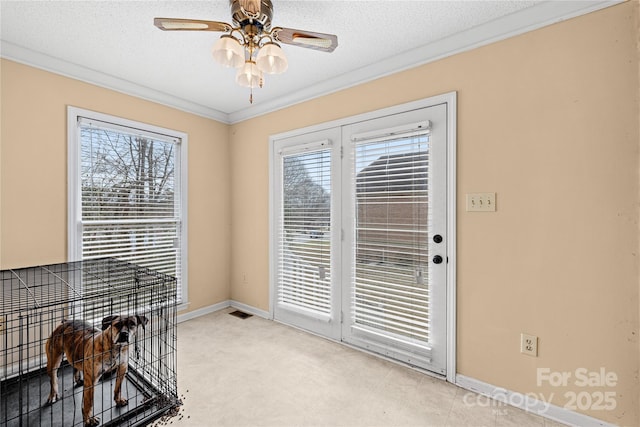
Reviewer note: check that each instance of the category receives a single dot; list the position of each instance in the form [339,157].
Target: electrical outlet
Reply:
[481,202]
[529,345]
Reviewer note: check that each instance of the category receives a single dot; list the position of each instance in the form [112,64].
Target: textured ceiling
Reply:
[114,44]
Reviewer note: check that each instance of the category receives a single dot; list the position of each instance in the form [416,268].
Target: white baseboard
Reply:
[203,311]
[530,404]
[221,306]
[249,309]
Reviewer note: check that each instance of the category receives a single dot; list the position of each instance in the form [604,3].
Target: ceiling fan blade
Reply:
[177,24]
[309,39]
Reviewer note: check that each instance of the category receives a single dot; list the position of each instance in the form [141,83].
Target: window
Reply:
[127,193]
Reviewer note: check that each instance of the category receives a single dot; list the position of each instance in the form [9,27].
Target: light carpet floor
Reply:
[256,372]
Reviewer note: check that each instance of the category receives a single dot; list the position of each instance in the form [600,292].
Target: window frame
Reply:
[74,186]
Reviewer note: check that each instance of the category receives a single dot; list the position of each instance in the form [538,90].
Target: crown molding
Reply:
[45,62]
[526,20]
[532,18]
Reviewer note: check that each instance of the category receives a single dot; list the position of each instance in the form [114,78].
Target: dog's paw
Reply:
[52,399]
[121,402]
[79,383]
[92,422]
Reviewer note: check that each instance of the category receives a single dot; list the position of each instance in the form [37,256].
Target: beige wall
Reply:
[33,174]
[549,121]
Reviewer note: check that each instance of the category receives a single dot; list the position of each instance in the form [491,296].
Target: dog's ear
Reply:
[107,321]
[142,320]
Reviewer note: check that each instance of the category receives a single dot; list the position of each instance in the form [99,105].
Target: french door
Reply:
[360,234]
[307,229]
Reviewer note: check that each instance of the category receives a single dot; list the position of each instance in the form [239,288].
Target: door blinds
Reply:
[304,269]
[390,293]
[130,196]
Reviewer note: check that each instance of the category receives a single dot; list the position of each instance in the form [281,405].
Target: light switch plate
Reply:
[481,202]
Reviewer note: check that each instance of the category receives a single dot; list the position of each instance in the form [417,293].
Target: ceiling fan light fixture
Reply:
[249,75]
[250,44]
[271,59]
[228,51]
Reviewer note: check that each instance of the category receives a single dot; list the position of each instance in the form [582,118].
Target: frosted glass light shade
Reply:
[228,51]
[249,75]
[271,59]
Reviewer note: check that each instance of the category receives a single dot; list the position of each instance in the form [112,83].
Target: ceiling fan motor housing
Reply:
[244,12]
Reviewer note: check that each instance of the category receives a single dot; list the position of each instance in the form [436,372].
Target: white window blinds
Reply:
[304,281]
[390,294]
[130,196]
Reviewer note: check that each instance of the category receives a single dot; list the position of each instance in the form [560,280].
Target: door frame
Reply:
[450,100]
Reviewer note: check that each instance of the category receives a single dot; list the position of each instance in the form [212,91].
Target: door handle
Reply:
[437,259]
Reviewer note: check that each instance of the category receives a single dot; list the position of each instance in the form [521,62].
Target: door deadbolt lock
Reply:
[437,259]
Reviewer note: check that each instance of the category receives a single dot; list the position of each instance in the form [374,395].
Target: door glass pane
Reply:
[305,245]
[391,292]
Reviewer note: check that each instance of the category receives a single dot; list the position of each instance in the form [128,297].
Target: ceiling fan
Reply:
[251,43]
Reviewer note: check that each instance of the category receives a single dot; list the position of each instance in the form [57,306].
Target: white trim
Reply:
[273,242]
[452,173]
[529,19]
[529,404]
[249,309]
[184,216]
[203,311]
[221,306]
[74,233]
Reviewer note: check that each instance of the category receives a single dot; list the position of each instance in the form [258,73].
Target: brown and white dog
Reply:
[93,353]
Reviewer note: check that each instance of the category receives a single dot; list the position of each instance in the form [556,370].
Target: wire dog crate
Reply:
[34,302]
